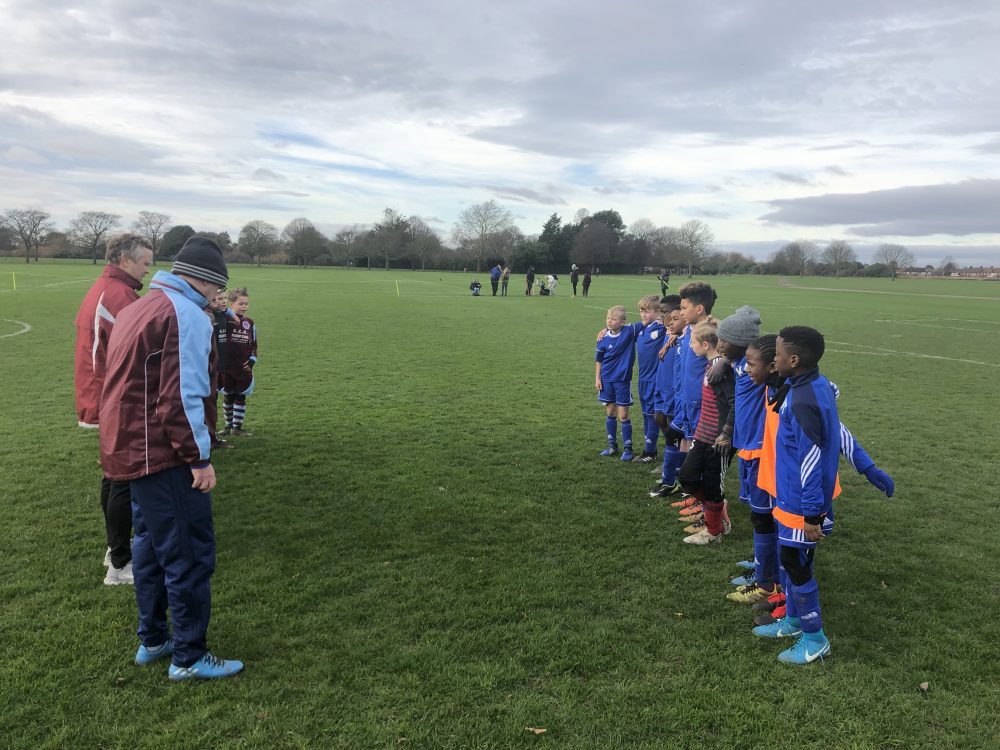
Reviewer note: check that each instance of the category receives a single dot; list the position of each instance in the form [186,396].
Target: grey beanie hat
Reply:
[201,258]
[741,328]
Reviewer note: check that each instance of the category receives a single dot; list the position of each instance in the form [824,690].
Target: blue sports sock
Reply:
[786,586]
[611,428]
[807,606]
[627,432]
[677,461]
[668,474]
[652,434]
[765,556]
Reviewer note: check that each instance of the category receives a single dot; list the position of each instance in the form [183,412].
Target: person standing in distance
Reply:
[495,273]
[129,258]
[154,435]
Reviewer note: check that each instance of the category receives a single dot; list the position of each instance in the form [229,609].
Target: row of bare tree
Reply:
[484,233]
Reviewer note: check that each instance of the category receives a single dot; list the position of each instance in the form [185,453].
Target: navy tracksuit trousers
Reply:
[173,558]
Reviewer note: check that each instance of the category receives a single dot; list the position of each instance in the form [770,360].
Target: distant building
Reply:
[982,272]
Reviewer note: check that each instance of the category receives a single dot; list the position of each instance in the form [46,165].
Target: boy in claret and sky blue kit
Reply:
[237,376]
[613,380]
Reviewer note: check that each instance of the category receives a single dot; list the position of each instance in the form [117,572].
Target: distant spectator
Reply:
[664,278]
[586,283]
[475,287]
[530,279]
[495,273]
[574,277]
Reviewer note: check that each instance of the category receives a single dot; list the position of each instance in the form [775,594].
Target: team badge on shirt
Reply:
[246,325]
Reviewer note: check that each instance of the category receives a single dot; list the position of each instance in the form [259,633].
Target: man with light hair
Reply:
[128,260]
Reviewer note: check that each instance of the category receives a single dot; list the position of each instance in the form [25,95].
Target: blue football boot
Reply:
[207,667]
[152,654]
[780,629]
[807,649]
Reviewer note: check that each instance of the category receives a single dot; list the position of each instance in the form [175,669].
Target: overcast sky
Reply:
[865,120]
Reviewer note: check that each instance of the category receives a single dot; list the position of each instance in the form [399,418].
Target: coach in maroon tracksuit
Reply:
[153,434]
[129,258]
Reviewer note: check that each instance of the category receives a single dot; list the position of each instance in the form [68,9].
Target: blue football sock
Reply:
[652,433]
[668,474]
[786,586]
[807,605]
[765,556]
[677,461]
[627,432]
[611,428]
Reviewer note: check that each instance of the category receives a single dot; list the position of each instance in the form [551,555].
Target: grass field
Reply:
[421,548]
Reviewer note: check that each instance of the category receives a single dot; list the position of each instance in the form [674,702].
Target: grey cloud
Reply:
[963,208]
[792,178]
[837,170]
[990,147]
[707,213]
[266,175]
[60,146]
[526,195]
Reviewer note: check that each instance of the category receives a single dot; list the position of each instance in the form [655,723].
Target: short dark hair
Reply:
[699,293]
[766,345]
[806,342]
[670,303]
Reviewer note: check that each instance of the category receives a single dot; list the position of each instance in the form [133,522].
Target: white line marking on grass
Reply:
[957,320]
[43,286]
[874,291]
[927,325]
[25,327]
[64,283]
[920,355]
[870,354]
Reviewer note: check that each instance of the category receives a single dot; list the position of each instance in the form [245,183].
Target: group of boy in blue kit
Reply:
[715,388]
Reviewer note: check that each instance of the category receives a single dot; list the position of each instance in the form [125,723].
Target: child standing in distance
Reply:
[703,473]
[504,280]
[586,283]
[237,377]
[664,406]
[613,380]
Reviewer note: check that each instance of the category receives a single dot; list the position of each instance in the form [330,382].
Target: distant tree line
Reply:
[483,234]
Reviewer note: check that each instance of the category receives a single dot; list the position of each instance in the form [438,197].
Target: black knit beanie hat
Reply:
[201,258]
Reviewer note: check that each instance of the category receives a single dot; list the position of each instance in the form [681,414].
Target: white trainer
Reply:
[107,558]
[703,537]
[119,576]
